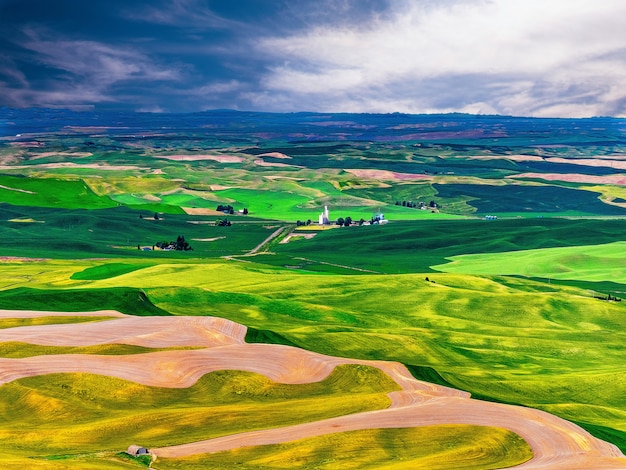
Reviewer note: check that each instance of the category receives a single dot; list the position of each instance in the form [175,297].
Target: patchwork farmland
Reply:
[133,312]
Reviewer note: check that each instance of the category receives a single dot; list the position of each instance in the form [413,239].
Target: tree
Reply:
[156,216]
[432,204]
[348,221]
[245,211]
[340,221]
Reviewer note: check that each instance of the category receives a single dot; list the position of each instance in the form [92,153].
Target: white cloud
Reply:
[524,57]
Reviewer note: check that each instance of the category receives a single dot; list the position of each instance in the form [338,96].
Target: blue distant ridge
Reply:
[456,129]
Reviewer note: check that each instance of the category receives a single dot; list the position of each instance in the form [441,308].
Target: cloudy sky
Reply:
[564,58]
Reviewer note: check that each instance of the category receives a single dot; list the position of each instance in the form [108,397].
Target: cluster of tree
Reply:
[155,216]
[610,297]
[228,209]
[301,223]
[431,204]
[223,223]
[348,221]
[179,245]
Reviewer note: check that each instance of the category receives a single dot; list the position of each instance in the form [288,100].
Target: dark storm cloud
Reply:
[563,58]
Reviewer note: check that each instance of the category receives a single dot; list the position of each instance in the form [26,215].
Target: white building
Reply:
[324,218]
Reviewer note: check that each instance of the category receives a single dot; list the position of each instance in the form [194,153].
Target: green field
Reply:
[594,263]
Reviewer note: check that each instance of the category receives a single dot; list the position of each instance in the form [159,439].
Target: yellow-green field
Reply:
[68,414]
[433,447]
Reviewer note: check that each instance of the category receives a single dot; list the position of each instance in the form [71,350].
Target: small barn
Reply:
[136,451]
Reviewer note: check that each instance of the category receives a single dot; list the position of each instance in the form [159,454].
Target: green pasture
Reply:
[123,299]
[116,232]
[292,206]
[538,199]
[266,204]
[417,246]
[589,263]
[49,192]
[65,414]
[105,271]
[443,447]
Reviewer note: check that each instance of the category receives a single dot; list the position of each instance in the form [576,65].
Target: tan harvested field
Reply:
[387,175]
[89,166]
[296,235]
[261,162]
[65,154]
[216,158]
[201,211]
[274,155]
[556,443]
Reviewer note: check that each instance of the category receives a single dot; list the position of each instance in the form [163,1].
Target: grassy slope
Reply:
[17,322]
[409,247]
[71,413]
[125,300]
[534,336]
[593,263]
[433,447]
[116,232]
[50,193]
[18,350]
[514,342]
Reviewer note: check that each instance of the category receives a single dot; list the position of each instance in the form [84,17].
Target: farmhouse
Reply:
[136,450]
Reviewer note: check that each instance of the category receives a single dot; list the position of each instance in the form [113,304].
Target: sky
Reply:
[543,58]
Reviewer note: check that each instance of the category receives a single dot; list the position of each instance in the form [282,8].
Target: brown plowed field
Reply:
[556,443]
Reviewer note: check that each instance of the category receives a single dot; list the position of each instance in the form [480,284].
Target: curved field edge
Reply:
[434,447]
[82,412]
[122,299]
[399,449]
[49,320]
[104,271]
[17,350]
